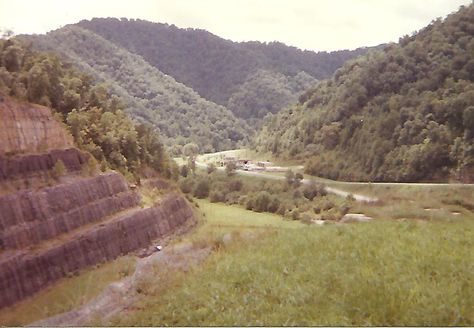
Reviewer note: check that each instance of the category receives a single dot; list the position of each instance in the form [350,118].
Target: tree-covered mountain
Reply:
[267,92]
[176,111]
[214,67]
[93,116]
[405,113]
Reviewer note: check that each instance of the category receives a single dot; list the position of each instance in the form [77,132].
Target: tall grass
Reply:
[380,273]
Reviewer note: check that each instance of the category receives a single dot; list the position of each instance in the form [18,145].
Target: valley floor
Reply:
[265,270]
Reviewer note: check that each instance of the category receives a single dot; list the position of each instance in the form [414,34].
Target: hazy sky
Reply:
[307,24]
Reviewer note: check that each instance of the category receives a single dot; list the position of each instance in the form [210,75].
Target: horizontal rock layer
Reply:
[26,127]
[25,273]
[26,165]
[28,217]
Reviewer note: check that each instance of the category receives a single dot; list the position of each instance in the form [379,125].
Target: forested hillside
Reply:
[94,118]
[267,92]
[405,113]
[214,67]
[176,111]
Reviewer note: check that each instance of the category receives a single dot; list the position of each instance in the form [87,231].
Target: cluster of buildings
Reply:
[249,165]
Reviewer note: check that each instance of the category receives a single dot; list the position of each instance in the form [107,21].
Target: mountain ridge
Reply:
[401,114]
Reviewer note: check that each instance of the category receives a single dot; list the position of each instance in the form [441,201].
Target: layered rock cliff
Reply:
[47,232]
[25,127]
[25,272]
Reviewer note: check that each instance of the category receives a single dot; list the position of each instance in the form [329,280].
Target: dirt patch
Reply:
[120,295]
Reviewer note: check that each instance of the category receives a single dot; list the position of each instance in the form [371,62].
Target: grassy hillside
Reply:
[381,273]
[176,111]
[212,66]
[401,114]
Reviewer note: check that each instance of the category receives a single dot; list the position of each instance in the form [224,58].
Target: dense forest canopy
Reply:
[267,92]
[236,84]
[212,66]
[176,111]
[94,117]
[405,113]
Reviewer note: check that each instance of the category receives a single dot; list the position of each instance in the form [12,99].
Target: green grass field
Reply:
[219,219]
[380,273]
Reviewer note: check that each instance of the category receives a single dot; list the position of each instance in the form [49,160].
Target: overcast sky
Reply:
[307,24]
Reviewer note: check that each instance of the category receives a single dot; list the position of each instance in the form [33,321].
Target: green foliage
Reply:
[262,201]
[403,113]
[264,195]
[59,169]
[202,188]
[177,112]
[289,177]
[95,118]
[230,168]
[267,92]
[186,185]
[211,167]
[184,171]
[90,168]
[313,189]
[215,67]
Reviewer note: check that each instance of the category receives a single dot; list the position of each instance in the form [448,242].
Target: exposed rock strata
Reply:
[25,273]
[45,205]
[26,127]
[27,165]
[48,232]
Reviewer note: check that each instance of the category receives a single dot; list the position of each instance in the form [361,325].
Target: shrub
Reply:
[59,169]
[325,204]
[262,201]
[274,205]
[230,168]
[313,189]
[344,209]
[306,218]
[250,203]
[289,177]
[242,199]
[296,194]
[202,189]
[210,168]
[186,185]
[295,214]
[235,185]
[184,171]
[217,196]
[92,165]
[281,210]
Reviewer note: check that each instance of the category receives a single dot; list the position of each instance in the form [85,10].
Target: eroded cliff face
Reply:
[28,165]
[23,273]
[29,128]
[48,232]
[31,216]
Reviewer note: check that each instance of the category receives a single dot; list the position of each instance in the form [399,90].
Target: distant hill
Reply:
[176,111]
[216,68]
[267,92]
[402,114]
